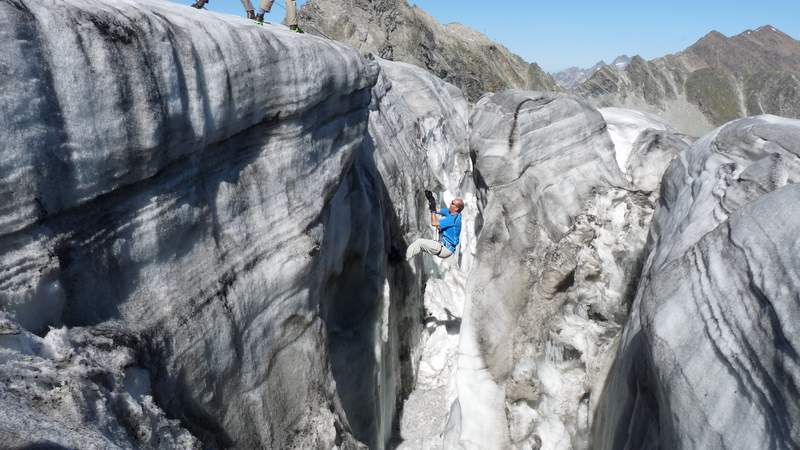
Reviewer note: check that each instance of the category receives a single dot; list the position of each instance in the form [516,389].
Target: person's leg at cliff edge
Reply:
[291,16]
[291,13]
[249,10]
[248,7]
[265,8]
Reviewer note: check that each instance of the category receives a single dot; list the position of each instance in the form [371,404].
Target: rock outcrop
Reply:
[715,80]
[396,31]
[709,357]
[215,201]
[557,263]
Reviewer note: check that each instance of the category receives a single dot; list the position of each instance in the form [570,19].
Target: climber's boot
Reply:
[260,19]
[199,4]
[251,14]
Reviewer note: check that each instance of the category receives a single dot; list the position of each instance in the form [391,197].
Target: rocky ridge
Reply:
[715,80]
[571,77]
[394,30]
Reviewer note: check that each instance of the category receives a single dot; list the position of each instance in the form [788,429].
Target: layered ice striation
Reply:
[196,218]
[709,357]
[225,195]
[557,263]
[441,131]
[418,133]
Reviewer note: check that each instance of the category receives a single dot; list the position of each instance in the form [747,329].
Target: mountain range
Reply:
[571,77]
[713,81]
[394,30]
[717,79]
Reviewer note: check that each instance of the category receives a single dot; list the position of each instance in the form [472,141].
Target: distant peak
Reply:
[713,35]
[761,29]
[713,39]
[766,28]
[621,61]
[769,30]
[605,72]
[764,32]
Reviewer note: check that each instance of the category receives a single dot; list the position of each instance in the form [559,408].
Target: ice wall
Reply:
[418,140]
[709,357]
[557,262]
[227,194]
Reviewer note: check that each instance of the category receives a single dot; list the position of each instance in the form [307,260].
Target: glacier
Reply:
[197,230]
[708,358]
[226,195]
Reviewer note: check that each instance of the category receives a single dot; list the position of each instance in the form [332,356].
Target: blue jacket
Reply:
[450,225]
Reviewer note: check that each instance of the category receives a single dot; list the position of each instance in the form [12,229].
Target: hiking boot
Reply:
[251,14]
[199,4]
[296,29]
[260,19]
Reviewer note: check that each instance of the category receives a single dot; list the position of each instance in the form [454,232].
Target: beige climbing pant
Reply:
[428,246]
[266,5]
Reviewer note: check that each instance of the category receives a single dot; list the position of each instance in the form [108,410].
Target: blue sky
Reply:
[559,34]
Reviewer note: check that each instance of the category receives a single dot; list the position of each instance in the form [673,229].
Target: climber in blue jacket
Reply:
[449,226]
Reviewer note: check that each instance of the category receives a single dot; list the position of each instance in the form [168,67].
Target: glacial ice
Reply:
[225,194]
[557,260]
[197,215]
[74,389]
[708,359]
[625,126]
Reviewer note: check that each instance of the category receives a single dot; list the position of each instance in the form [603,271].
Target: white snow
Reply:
[624,126]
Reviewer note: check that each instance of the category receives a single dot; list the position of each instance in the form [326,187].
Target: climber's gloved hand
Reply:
[431,201]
